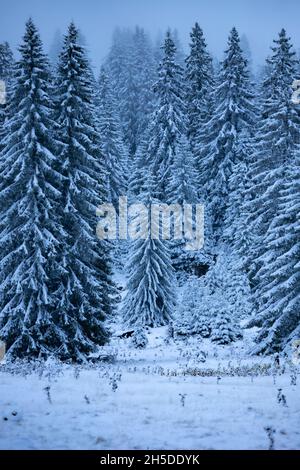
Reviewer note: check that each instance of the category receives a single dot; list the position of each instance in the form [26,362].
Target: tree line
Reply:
[158,127]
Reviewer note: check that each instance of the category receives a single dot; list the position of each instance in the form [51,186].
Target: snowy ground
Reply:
[163,397]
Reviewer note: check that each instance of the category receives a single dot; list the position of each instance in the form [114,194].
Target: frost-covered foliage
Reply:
[85,290]
[224,329]
[279,281]
[199,77]
[217,147]
[274,205]
[55,274]
[167,122]
[132,70]
[29,230]
[139,338]
[150,298]
[214,305]
[6,75]
[277,140]
[164,130]
[192,313]
[182,189]
[113,146]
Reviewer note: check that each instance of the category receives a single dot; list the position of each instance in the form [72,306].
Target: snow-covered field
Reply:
[175,396]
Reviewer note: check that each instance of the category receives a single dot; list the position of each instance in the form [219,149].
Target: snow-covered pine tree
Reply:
[139,338]
[113,147]
[200,80]
[213,305]
[227,293]
[144,73]
[30,232]
[115,153]
[192,315]
[6,64]
[131,68]
[274,204]
[182,189]
[85,294]
[279,275]
[168,120]
[237,232]
[119,64]
[224,329]
[150,298]
[6,76]
[277,140]
[216,149]
[182,186]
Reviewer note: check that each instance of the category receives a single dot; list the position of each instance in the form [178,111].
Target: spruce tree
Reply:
[150,299]
[237,232]
[131,68]
[6,64]
[190,317]
[112,144]
[217,147]
[182,190]
[199,77]
[144,73]
[6,78]
[182,187]
[168,120]
[276,141]
[213,305]
[85,294]
[30,233]
[279,275]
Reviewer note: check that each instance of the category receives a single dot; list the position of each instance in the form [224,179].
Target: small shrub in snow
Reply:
[270,432]
[114,380]
[281,398]
[47,390]
[224,329]
[182,398]
[139,339]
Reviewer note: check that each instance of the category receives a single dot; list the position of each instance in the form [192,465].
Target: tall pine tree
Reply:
[273,205]
[85,294]
[200,80]
[279,275]
[217,147]
[168,122]
[29,231]
[112,144]
[6,78]
[276,140]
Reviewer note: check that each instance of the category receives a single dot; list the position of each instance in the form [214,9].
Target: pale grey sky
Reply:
[260,20]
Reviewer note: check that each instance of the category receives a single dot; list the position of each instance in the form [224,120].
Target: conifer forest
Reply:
[149,232]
